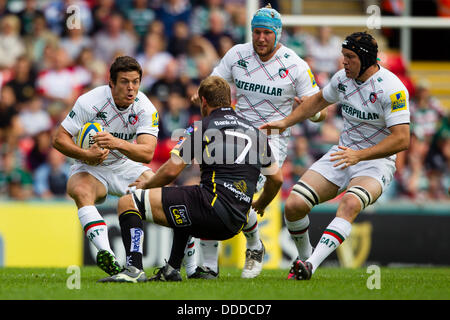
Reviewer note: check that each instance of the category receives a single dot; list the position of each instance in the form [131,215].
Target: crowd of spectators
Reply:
[53,51]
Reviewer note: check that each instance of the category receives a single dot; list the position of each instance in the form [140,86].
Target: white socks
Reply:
[210,248]
[336,232]
[251,231]
[190,261]
[210,252]
[94,227]
[299,233]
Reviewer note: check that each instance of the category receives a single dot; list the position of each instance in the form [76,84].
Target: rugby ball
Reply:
[85,138]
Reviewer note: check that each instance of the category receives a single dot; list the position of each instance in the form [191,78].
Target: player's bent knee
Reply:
[295,208]
[307,193]
[80,192]
[362,195]
[125,203]
[139,199]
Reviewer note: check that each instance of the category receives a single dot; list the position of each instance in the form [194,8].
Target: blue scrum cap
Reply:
[270,19]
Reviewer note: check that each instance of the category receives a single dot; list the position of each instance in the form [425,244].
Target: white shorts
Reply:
[381,170]
[115,178]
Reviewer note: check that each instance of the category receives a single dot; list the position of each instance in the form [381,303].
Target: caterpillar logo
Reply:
[398,101]
[180,215]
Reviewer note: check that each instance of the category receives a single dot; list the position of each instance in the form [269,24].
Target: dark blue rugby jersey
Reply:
[231,154]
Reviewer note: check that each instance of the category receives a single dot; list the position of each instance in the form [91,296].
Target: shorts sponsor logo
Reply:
[241,196]
[180,215]
[240,185]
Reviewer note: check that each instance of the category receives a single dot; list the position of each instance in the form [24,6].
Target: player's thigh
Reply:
[159,216]
[361,192]
[146,174]
[324,188]
[133,201]
[369,184]
[85,189]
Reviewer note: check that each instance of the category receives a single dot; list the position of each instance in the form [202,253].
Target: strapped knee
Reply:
[362,195]
[142,203]
[307,193]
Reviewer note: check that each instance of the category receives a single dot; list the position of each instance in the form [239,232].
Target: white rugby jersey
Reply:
[265,91]
[98,105]
[368,108]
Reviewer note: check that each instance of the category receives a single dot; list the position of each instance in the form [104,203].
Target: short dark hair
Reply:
[216,91]
[124,64]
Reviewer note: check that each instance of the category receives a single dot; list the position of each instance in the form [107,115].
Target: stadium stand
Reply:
[46,52]
[437,74]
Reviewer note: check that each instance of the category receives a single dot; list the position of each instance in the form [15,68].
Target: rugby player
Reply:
[231,153]
[269,79]
[375,109]
[114,161]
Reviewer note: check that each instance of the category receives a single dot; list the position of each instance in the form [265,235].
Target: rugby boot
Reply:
[166,273]
[300,270]
[253,262]
[291,275]
[108,263]
[204,273]
[130,274]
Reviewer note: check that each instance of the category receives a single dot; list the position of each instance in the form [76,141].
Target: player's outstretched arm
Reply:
[166,174]
[307,108]
[270,189]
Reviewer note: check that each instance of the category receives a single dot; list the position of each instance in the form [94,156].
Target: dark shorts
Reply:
[188,208]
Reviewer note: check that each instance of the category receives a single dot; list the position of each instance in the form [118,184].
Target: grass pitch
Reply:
[326,284]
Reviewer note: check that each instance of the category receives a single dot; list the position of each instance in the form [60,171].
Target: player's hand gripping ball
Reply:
[85,138]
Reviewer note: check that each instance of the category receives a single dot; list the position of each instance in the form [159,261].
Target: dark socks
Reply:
[131,227]
[180,239]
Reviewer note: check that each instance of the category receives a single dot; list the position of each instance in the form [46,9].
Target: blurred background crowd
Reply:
[46,63]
